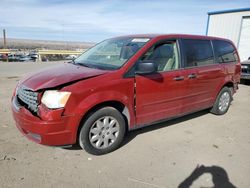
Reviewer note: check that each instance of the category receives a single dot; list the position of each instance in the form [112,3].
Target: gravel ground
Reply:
[198,150]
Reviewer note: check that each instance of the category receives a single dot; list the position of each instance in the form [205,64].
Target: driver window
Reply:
[164,55]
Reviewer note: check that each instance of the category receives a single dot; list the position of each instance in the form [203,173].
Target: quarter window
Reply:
[198,52]
[224,51]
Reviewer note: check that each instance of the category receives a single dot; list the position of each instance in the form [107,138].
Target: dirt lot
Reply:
[163,155]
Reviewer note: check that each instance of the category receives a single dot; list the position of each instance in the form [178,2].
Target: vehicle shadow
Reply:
[73,147]
[219,177]
[245,82]
[132,134]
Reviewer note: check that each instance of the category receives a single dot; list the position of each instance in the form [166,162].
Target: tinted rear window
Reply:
[198,52]
[224,52]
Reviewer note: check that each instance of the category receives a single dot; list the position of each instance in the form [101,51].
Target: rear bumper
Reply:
[58,132]
[245,76]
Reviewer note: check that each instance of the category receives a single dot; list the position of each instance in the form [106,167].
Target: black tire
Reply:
[91,123]
[217,109]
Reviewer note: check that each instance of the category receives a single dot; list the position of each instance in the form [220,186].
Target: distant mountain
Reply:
[44,44]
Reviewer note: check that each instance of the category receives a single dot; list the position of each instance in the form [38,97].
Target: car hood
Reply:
[59,75]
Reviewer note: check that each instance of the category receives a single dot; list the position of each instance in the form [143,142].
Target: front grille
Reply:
[28,98]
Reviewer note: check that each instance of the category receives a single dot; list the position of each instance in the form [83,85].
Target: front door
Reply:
[160,95]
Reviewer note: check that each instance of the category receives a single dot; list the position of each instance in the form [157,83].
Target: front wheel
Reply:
[103,131]
[222,102]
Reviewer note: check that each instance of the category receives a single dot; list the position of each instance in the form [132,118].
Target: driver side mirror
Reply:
[145,67]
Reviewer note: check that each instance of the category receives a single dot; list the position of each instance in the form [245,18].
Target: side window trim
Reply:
[181,53]
[215,58]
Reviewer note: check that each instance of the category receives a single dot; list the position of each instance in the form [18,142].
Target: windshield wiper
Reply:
[86,65]
[93,66]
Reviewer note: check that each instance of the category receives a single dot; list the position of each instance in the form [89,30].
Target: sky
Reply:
[96,20]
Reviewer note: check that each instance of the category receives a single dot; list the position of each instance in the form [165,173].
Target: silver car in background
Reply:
[245,71]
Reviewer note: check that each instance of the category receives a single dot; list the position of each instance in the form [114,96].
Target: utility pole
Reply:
[4,39]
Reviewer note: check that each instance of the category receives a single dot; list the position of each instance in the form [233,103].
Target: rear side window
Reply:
[224,52]
[197,52]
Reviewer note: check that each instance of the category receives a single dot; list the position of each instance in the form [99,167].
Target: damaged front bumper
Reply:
[56,130]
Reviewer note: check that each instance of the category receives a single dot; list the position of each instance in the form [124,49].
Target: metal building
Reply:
[234,25]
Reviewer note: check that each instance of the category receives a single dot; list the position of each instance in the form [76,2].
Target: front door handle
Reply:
[179,78]
[192,76]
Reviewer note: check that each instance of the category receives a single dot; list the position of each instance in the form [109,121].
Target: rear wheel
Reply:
[222,102]
[103,131]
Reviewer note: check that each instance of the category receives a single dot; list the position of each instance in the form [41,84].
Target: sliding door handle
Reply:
[191,76]
[179,78]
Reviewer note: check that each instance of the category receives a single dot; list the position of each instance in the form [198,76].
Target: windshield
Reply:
[111,54]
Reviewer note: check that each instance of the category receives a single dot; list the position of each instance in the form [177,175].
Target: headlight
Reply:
[55,99]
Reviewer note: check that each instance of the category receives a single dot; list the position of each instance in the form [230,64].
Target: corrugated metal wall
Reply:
[227,25]
[244,43]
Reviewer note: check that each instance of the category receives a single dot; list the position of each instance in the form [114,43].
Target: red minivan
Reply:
[125,83]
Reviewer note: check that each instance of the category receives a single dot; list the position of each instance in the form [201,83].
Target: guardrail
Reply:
[60,52]
[5,51]
[47,52]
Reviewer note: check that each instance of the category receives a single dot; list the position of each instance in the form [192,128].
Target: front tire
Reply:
[103,131]
[222,102]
